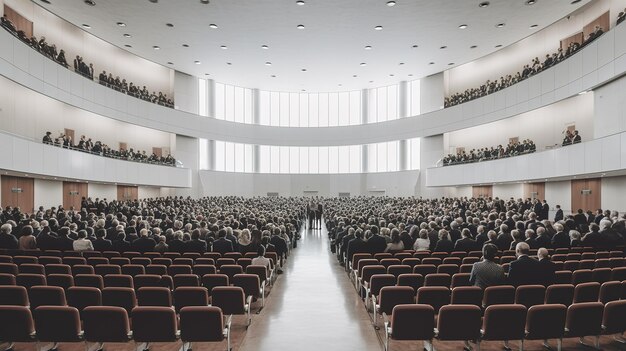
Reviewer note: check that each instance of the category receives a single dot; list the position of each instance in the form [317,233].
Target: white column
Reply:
[364,117]
[256,119]
[210,91]
[403,111]
[211,154]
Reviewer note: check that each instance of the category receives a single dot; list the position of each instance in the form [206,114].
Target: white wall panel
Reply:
[48,193]
[102,191]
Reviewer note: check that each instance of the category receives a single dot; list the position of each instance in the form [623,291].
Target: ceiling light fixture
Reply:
[300,26]
[264,47]
[473,47]
[229,63]
[533,26]
[197,62]
[207,74]
[185,45]
[90,2]
[391,3]
[268,63]
[128,46]
[431,63]
[378,28]
[45,2]
[362,64]
[463,26]
[443,47]
[213,26]
[500,25]
[451,64]
[86,26]
[391,75]
[401,64]
[483,4]
[154,1]
[273,76]
[410,74]
[121,24]
[170,62]
[126,35]
[354,76]
[156,47]
[531,2]
[223,47]
[300,3]
[169,25]
[368,47]
[303,70]
[499,46]
[575,2]
[371,81]
[204,2]
[340,85]
[415,46]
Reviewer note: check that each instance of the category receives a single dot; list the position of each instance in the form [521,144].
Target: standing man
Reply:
[318,215]
[558,216]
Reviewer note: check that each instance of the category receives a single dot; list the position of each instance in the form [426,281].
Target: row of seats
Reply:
[100,324]
[504,322]
[128,254]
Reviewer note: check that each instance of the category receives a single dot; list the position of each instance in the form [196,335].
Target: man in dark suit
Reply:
[222,245]
[102,244]
[481,236]
[7,240]
[543,240]
[121,245]
[579,218]
[144,243]
[47,239]
[64,243]
[376,244]
[503,242]
[356,245]
[561,239]
[545,210]
[233,239]
[344,244]
[466,243]
[547,268]
[558,216]
[523,271]
[531,239]
[196,244]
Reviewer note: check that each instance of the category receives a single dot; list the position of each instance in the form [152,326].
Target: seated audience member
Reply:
[547,268]
[422,243]
[244,243]
[561,239]
[567,140]
[531,239]
[487,273]
[377,243]
[492,236]
[481,236]
[523,271]
[47,239]
[196,244]
[396,243]
[517,238]
[504,239]
[575,238]
[101,243]
[177,244]
[143,243]
[222,245]
[7,240]
[576,138]
[444,244]
[542,239]
[466,243]
[356,245]
[82,243]
[161,246]
[64,242]
[47,139]
[261,260]
[120,244]
[27,241]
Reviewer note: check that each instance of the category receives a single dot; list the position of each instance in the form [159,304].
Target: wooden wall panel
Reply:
[126,193]
[538,188]
[20,22]
[18,192]
[602,21]
[576,38]
[586,194]
[157,151]
[482,191]
[73,194]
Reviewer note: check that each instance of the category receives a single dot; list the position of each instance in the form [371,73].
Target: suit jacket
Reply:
[176,245]
[65,244]
[532,242]
[544,241]
[480,239]
[376,244]
[198,246]
[524,271]
[281,245]
[121,245]
[102,245]
[356,245]
[547,270]
[222,246]
[47,241]
[560,240]
[143,245]
[503,242]
[465,244]
[8,241]
[558,216]
[444,246]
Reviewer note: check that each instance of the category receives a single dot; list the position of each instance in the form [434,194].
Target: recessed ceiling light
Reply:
[268,63]
[204,2]
[391,3]
[169,25]
[575,2]
[264,47]
[410,74]
[431,63]
[533,26]
[128,46]
[300,2]
[229,63]
[483,4]
[207,74]
[362,64]
[303,70]
[415,46]
[273,76]
[391,75]
[531,2]
[121,24]
[303,90]
[499,45]
[354,76]
[443,47]
[126,35]
[378,28]
[86,26]
[213,25]
[500,25]
[197,62]
[368,47]
[154,1]
[90,2]
[401,64]
[300,26]
[46,2]
[340,85]
[156,47]
[185,45]
[224,47]
[473,47]
[170,63]
[463,26]
[451,64]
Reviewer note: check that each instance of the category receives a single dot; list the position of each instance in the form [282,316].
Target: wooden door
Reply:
[20,22]
[127,193]
[586,194]
[483,191]
[123,146]
[18,192]
[73,193]
[576,38]
[535,191]
[602,21]
[157,151]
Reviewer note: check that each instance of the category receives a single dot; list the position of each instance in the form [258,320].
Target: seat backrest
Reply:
[459,322]
[413,280]
[119,297]
[105,324]
[111,254]
[453,260]
[46,296]
[18,260]
[499,295]
[230,270]
[530,295]
[398,269]
[369,271]
[504,322]
[582,276]
[586,292]
[192,255]
[7,279]
[357,257]
[154,296]
[432,260]
[57,323]
[584,319]
[119,281]
[613,319]
[15,295]
[82,269]
[81,297]
[224,261]
[156,269]
[438,279]
[244,262]
[55,268]
[62,280]
[618,274]
[209,281]
[233,255]
[72,261]
[133,269]
[89,280]
[119,261]
[231,299]
[250,283]
[94,261]
[378,281]
[560,294]
[461,279]
[448,268]
[201,324]
[28,280]
[32,268]
[435,296]
[190,296]
[183,261]
[186,280]
[411,262]
[154,324]
[164,261]
[424,269]
[364,263]
[16,323]
[141,261]
[610,291]
[260,271]
[386,262]
[546,321]
[412,322]
[208,261]
[201,269]
[467,295]
[601,275]
[175,269]
[147,280]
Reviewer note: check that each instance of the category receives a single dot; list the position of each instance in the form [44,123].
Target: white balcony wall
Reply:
[591,158]
[34,158]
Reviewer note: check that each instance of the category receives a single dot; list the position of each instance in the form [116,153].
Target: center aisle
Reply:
[313,307]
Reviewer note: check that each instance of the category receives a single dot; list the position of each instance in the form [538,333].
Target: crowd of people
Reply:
[621,17]
[98,148]
[172,224]
[374,225]
[514,148]
[571,138]
[536,66]
[86,70]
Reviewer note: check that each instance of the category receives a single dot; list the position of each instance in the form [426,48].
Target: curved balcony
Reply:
[34,158]
[599,157]
[594,65]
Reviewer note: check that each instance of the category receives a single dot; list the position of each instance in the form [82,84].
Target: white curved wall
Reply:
[596,64]
[34,158]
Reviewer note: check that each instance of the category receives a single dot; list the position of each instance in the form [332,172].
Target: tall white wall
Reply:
[506,191]
[30,114]
[614,193]
[431,93]
[544,126]
[102,191]
[148,192]
[187,151]
[431,151]
[48,193]
[458,191]
[103,55]
[610,108]
[559,193]
[186,92]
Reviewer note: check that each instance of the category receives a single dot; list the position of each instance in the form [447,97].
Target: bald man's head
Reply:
[542,253]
